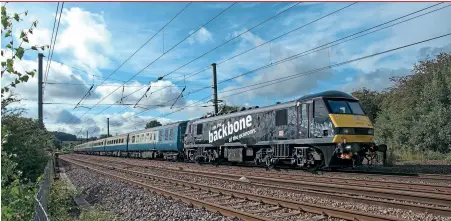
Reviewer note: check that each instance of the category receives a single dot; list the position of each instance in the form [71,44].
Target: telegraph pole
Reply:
[215,89]
[40,116]
[108,127]
[87,139]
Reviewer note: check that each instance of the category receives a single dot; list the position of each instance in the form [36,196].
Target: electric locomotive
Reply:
[323,130]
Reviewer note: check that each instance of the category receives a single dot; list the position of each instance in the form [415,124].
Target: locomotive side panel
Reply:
[248,127]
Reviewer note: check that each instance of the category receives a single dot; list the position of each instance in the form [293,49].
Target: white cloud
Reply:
[376,80]
[202,36]
[85,37]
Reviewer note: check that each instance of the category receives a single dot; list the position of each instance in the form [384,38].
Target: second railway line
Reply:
[427,203]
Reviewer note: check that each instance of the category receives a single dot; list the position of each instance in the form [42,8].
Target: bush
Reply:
[413,115]
[62,206]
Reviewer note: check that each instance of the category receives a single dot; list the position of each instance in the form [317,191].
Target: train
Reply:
[326,130]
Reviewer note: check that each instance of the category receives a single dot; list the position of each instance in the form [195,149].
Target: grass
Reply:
[62,206]
[395,156]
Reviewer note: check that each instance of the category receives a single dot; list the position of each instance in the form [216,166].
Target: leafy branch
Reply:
[7,66]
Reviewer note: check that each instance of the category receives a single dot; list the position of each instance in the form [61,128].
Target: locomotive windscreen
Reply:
[345,107]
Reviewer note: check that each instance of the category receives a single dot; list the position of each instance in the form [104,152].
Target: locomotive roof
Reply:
[329,94]
[325,94]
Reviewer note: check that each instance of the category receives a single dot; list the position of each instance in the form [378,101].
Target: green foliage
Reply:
[64,136]
[413,116]
[370,101]
[96,214]
[62,206]
[60,201]
[448,158]
[105,136]
[17,197]
[16,53]
[28,142]
[224,108]
[153,123]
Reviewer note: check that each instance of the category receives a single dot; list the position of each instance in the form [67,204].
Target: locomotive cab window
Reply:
[281,117]
[345,107]
[339,107]
[356,108]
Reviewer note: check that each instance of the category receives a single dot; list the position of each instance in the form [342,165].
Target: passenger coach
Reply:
[158,142]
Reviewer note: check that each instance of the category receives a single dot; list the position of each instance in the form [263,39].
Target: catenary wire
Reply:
[51,39]
[53,48]
[160,57]
[142,46]
[226,42]
[380,25]
[319,69]
[312,50]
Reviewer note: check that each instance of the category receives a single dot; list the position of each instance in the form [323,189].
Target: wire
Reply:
[311,50]
[133,55]
[318,70]
[114,85]
[160,57]
[364,31]
[226,42]
[183,9]
[337,42]
[53,48]
[161,77]
[293,30]
[51,39]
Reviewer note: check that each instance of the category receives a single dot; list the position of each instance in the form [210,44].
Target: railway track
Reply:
[418,193]
[407,176]
[417,202]
[228,202]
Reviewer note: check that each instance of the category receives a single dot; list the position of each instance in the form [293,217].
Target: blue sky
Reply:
[98,37]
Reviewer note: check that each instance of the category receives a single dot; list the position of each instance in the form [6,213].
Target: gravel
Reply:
[406,214]
[249,188]
[298,173]
[129,202]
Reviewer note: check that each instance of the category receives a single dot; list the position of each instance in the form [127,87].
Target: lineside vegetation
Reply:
[413,117]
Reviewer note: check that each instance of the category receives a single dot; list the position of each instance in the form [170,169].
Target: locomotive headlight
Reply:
[348,147]
[346,130]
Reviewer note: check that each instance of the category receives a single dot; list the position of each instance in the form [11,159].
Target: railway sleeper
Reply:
[246,205]
[266,210]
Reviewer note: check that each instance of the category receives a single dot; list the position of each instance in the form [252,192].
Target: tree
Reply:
[28,142]
[104,136]
[64,136]
[415,113]
[224,108]
[16,50]
[153,123]
[370,100]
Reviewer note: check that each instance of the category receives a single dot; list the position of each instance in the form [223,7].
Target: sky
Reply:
[120,49]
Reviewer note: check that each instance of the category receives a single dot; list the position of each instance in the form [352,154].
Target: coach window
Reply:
[199,128]
[281,117]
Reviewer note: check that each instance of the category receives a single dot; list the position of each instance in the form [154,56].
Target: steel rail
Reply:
[426,188]
[306,207]
[404,195]
[314,192]
[189,200]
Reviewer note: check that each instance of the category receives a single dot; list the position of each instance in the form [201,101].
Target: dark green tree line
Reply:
[415,113]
